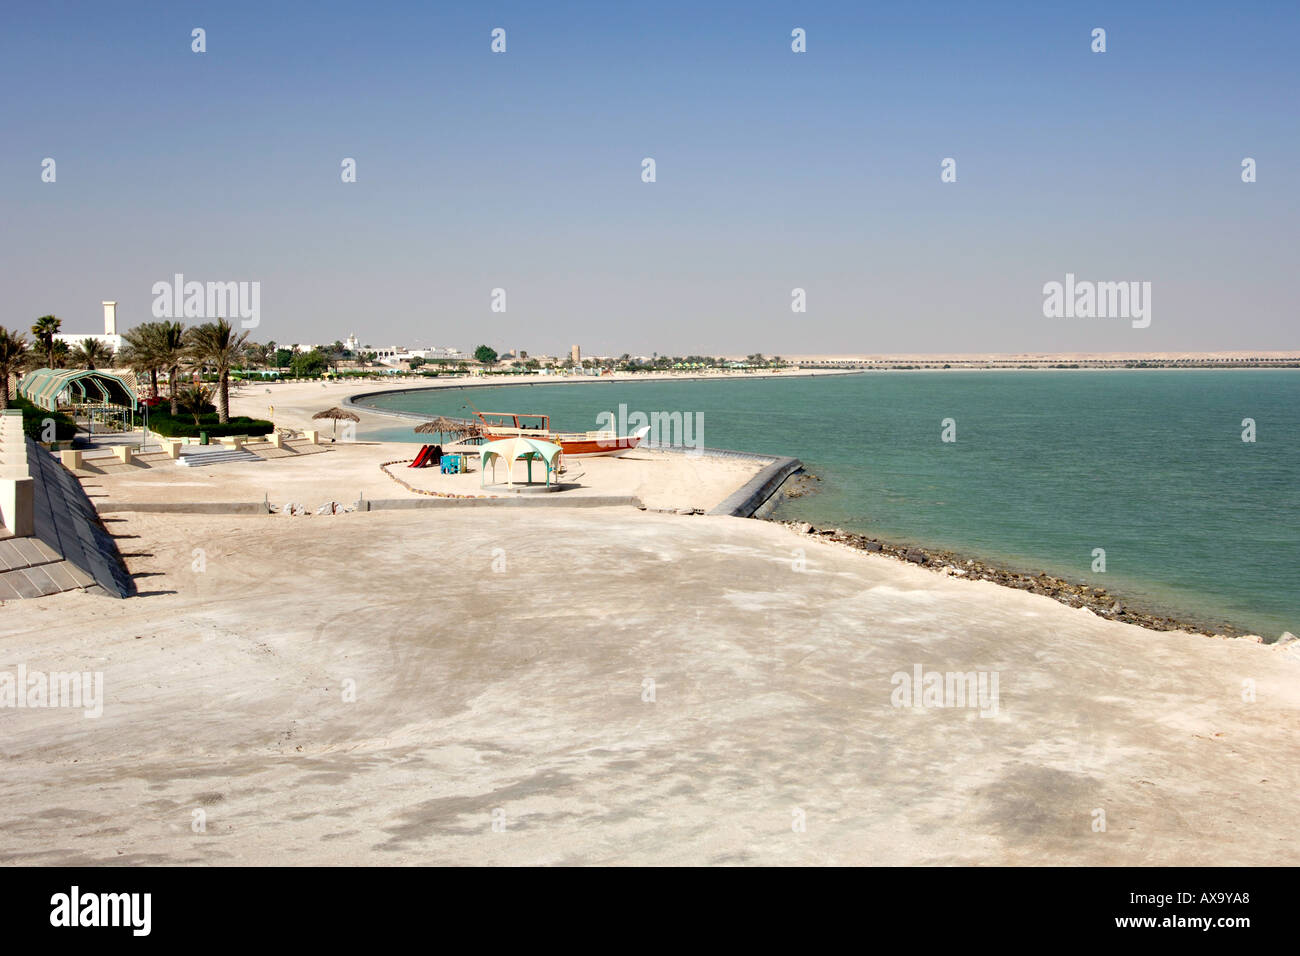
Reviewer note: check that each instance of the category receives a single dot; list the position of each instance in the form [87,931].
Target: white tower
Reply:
[110,318]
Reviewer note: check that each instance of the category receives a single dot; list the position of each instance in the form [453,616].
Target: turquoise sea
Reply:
[1046,467]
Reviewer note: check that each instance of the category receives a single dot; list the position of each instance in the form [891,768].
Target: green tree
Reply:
[307,364]
[195,400]
[283,358]
[173,352]
[13,355]
[143,352]
[92,354]
[218,345]
[44,329]
[258,356]
[486,355]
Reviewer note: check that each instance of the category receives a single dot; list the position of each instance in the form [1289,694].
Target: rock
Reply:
[871,546]
[1286,638]
[804,528]
[915,556]
[957,572]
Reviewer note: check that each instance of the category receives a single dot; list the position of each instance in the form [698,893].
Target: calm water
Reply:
[1047,466]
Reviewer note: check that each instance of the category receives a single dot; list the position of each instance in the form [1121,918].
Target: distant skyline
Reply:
[775,170]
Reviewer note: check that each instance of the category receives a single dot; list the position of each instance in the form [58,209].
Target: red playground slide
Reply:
[420,461]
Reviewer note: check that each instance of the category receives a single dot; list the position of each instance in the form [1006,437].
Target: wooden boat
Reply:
[575,444]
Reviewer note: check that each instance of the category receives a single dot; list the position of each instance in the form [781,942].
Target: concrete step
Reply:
[219,456]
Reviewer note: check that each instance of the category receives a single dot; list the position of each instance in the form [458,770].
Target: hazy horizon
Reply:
[775,170]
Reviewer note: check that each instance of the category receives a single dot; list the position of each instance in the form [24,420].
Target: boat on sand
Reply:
[591,444]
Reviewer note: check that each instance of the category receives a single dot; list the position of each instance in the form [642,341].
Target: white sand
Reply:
[520,692]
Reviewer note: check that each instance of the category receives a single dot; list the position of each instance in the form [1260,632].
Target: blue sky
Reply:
[775,170]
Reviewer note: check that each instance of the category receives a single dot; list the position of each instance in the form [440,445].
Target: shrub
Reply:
[182,426]
[34,421]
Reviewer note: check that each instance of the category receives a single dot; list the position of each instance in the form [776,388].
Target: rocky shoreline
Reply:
[1081,595]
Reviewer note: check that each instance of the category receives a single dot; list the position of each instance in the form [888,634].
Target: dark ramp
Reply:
[66,522]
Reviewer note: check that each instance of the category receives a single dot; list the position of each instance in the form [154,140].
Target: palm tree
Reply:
[258,355]
[194,399]
[143,352]
[92,353]
[173,352]
[217,344]
[13,354]
[44,329]
[59,354]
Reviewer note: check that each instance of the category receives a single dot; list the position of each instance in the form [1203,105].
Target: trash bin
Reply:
[203,438]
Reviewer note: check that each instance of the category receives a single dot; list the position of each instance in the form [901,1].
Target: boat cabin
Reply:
[513,420]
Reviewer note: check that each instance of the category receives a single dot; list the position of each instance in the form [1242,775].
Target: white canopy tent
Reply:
[514,449]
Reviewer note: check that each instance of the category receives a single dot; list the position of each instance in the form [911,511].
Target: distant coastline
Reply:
[618,378]
[1008,361]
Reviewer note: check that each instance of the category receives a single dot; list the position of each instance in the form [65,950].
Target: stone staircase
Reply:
[216,456]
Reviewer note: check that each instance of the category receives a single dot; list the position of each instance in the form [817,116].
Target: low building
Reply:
[109,336]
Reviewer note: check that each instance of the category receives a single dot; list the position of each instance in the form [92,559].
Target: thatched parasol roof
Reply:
[338,414]
[458,427]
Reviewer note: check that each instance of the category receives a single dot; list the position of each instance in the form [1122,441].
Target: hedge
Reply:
[34,421]
[182,426]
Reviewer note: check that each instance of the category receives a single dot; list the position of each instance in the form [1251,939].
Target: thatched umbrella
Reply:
[338,414]
[458,428]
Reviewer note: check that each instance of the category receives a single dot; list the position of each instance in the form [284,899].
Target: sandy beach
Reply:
[522,696]
[295,402]
[605,685]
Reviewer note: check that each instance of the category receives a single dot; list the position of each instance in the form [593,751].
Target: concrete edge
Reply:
[755,492]
[187,507]
[373,504]
[513,501]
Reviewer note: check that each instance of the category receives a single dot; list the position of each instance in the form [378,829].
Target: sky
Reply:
[775,170]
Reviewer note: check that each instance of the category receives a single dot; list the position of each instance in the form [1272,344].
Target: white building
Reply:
[109,336]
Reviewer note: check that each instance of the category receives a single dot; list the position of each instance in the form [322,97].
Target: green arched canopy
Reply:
[44,386]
